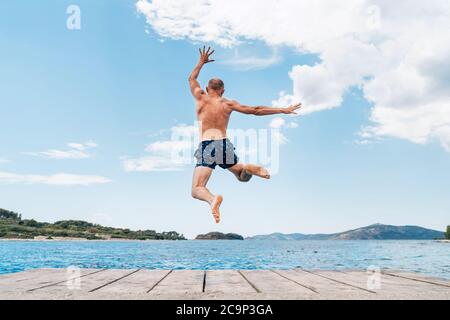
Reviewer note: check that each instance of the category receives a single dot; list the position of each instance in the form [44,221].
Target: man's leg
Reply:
[244,172]
[200,192]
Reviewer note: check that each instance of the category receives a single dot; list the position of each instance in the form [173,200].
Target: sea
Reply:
[426,257]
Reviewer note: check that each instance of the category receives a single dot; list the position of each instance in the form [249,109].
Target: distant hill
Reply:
[219,236]
[12,226]
[372,232]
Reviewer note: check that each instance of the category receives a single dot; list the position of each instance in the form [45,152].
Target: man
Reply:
[213,113]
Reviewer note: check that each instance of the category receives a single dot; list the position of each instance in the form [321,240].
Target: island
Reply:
[373,232]
[219,236]
[12,226]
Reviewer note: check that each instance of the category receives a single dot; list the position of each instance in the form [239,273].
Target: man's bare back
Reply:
[213,113]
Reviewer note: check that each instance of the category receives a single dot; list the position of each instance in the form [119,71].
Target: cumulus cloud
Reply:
[252,62]
[396,52]
[74,151]
[280,123]
[166,155]
[151,163]
[60,179]
[277,124]
[168,146]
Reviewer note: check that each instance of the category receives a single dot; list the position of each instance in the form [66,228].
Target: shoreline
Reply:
[146,240]
[82,240]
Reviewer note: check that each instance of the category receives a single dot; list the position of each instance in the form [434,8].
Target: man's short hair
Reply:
[216,84]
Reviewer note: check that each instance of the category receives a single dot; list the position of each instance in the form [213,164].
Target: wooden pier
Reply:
[220,284]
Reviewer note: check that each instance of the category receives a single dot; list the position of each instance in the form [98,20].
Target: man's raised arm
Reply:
[196,90]
[262,110]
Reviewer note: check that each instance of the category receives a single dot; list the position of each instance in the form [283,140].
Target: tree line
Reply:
[13,226]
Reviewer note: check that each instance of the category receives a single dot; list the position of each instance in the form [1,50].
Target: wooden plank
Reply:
[22,276]
[296,281]
[139,282]
[266,281]
[180,281]
[29,280]
[331,276]
[221,284]
[88,283]
[387,285]
[321,285]
[417,277]
[226,281]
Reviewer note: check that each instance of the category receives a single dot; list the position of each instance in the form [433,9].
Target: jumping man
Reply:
[213,113]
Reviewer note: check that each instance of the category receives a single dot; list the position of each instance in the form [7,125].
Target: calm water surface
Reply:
[426,257]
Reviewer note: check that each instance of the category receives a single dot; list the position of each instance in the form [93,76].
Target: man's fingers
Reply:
[205,53]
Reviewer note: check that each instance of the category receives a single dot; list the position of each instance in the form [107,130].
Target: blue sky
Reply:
[113,89]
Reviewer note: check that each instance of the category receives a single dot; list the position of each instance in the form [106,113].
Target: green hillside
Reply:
[12,226]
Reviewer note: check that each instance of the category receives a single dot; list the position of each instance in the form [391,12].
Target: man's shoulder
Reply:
[229,101]
[228,104]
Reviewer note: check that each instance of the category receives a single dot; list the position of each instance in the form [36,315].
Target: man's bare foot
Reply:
[215,204]
[257,171]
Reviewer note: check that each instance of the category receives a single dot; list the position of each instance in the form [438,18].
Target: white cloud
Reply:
[184,130]
[74,151]
[277,123]
[166,155]
[82,146]
[292,125]
[395,51]
[279,137]
[280,123]
[151,163]
[169,146]
[3,160]
[253,62]
[60,179]
[77,146]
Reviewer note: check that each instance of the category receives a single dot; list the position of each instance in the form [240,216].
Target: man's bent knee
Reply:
[244,176]
[194,192]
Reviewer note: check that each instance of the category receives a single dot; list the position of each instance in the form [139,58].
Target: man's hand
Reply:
[205,54]
[291,109]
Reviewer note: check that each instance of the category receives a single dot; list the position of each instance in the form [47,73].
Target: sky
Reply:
[89,111]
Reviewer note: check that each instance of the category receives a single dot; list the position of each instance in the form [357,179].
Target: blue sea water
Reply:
[427,257]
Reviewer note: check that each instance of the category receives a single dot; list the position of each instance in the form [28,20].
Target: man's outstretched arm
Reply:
[196,90]
[262,110]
